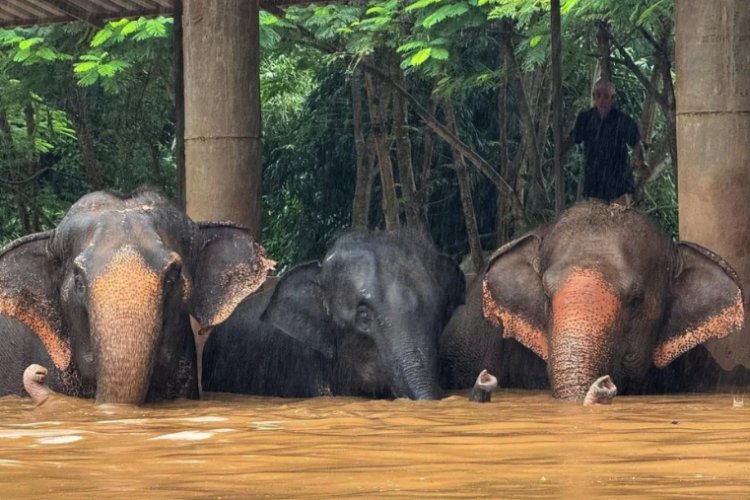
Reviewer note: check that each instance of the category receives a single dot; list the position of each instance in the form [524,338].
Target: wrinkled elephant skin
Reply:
[363,322]
[107,297]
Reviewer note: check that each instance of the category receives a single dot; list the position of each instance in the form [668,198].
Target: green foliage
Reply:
[659,200]
[122,75]
[29,50]
[96,65]
[308,167]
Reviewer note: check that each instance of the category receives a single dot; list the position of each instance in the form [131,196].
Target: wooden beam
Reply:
[73,11]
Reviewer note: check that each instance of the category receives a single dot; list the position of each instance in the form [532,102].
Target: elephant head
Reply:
[110,291]
[602,291]
[375,307]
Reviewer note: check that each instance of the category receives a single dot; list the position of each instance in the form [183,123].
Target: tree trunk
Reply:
[543,110]
[80,118]
[670,115]
[403,152]
[557,104]
[604,49]
[156,164]
[377,117]
[363,186]
[648,118]
[5,130]
[31,187]
[503,222]
[649,109]
[516,85]
[464,186]
[428,146]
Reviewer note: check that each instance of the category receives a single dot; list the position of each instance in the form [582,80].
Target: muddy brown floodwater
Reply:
[522,444]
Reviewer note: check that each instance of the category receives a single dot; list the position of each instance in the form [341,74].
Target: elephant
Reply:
[470,344]
[599,291]
[362,322]
[110,298]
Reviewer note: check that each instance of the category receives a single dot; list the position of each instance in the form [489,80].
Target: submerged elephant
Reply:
[363,322]
[601,291]
[105,300]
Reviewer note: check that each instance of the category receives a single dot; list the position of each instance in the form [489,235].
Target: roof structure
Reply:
[96,12]
[30,12]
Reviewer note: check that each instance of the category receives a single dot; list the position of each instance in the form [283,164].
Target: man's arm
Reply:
[565,147]
[567,144]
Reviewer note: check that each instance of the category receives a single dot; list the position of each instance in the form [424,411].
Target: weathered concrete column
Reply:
[713,139]
[223,175]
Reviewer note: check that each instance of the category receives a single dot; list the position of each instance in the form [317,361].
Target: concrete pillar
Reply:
[223,172]
[712,49]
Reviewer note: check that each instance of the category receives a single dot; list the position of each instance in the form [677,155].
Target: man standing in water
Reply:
[606,133]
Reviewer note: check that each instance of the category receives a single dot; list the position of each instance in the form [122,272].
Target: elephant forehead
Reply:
[402,297]
[585,299]
[125,285]
[98,234]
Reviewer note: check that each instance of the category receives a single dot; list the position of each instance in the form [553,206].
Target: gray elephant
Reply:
[600,291]
[363,322]
[106,299]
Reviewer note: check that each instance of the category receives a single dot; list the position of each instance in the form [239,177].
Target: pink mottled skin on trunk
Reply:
[584,310]
[126,318]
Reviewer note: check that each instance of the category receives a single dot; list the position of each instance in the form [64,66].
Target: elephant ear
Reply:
[230,266]
[513,294]
[299,308]
[706,303]
[29,284]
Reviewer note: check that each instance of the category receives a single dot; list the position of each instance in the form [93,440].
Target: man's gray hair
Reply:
[604,83]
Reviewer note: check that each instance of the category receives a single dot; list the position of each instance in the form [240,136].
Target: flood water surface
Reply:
[522,444]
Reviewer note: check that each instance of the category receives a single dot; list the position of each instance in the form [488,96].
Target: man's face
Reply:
[604,100]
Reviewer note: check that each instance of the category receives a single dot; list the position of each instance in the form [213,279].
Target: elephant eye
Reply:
[364,316]
[173,274]
[636,300]
[78,282]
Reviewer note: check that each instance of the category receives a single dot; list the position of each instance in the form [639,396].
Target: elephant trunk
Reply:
[416,374]
[126,320]
[584,311]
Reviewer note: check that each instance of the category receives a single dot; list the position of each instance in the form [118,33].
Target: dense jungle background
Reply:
[428,114]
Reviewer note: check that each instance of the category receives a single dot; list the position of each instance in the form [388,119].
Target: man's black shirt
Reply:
[607,174]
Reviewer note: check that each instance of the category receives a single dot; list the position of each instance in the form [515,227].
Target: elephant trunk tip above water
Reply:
[33,382]
[601,290]
[108,294]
